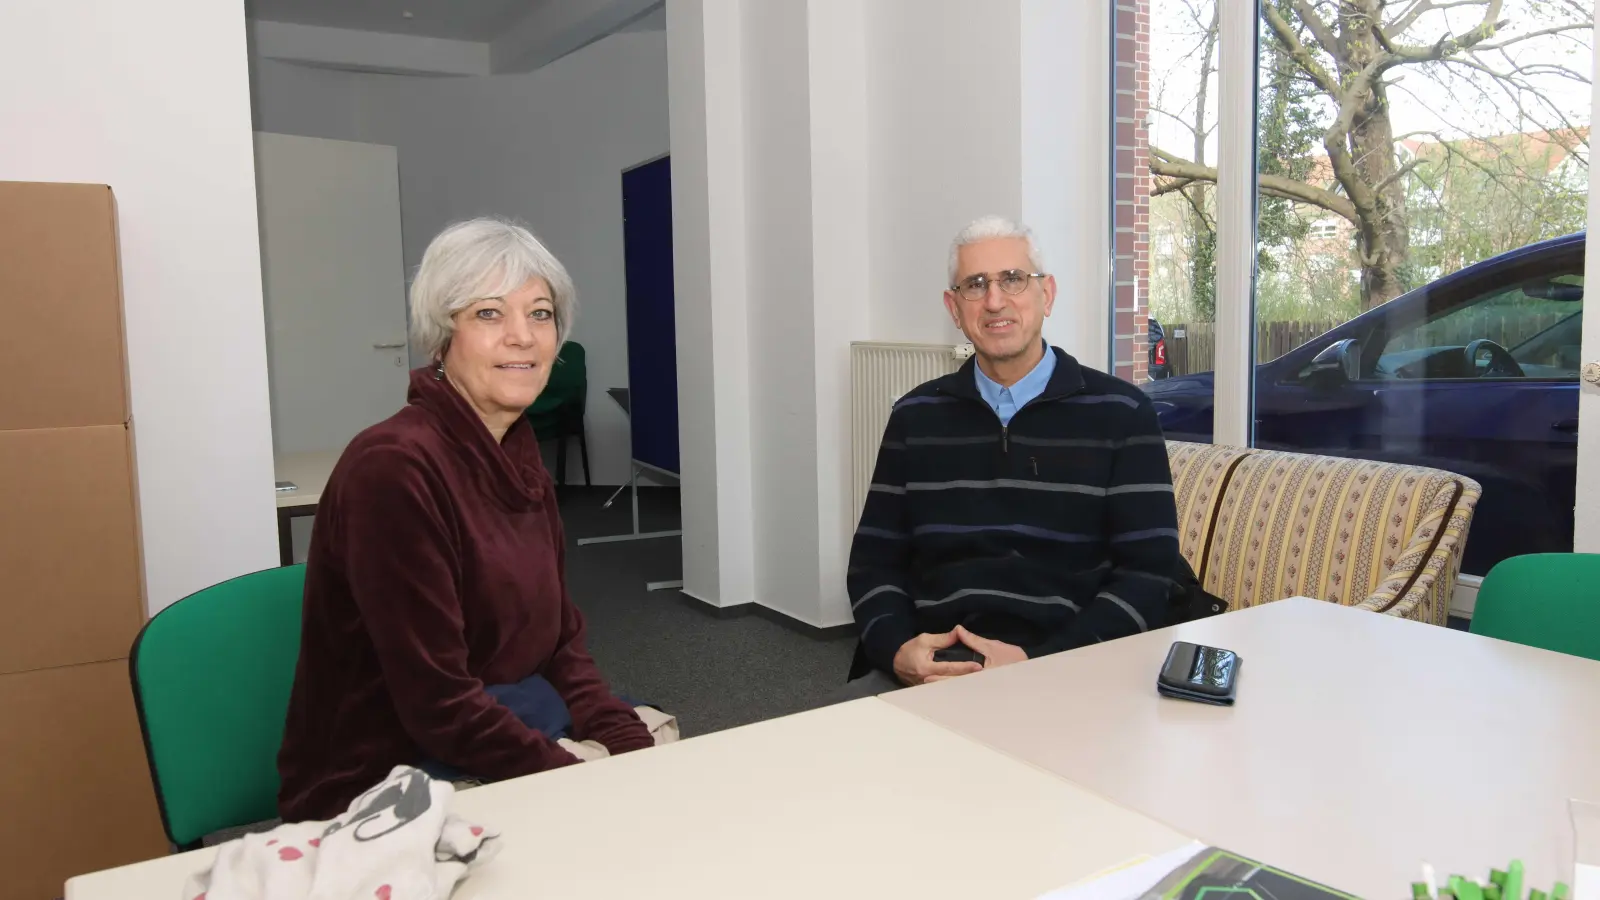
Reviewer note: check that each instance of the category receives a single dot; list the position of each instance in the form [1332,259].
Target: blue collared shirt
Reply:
[1005,401]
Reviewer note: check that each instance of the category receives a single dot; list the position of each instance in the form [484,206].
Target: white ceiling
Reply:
[464,20]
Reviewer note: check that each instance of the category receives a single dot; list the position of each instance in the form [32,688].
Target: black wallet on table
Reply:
[1198,673]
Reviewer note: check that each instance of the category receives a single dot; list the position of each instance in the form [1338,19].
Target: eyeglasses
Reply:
[1011,281]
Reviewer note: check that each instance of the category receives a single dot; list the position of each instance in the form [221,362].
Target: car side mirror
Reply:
[1338,363]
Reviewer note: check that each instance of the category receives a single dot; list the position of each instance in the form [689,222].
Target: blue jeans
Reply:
[535,702]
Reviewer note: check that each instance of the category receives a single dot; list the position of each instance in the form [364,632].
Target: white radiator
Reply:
[880,374]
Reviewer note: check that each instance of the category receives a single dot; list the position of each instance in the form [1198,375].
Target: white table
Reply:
[1360,746]
[856,800]
[309,472]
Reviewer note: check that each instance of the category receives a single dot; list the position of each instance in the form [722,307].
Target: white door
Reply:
[334,279]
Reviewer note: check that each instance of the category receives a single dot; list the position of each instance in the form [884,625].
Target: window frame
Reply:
[1233,403]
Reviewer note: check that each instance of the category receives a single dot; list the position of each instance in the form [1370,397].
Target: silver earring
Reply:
[438,370]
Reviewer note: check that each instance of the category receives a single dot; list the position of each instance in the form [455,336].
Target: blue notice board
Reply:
[652,336]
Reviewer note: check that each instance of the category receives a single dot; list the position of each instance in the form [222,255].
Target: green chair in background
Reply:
[211,679]
[558,412]
[1546,600]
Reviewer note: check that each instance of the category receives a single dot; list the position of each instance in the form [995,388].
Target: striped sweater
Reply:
[1054,532]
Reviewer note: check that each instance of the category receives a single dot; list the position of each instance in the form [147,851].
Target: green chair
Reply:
[211,679]
[1547,600]
[559,410]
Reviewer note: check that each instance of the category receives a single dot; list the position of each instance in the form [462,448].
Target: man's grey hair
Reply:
[480,258]
[990,228]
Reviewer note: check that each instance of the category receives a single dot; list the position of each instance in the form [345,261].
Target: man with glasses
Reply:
[1019,507]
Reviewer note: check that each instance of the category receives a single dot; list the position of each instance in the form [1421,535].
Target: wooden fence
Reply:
[1191,347]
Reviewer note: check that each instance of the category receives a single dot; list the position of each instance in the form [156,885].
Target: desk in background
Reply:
[1360,746]
[309,473]
[856,800]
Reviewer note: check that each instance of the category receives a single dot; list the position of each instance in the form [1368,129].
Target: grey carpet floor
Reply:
[712,673]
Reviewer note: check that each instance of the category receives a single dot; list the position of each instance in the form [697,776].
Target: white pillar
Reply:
[841,270]
[1065,143]
[783,364]
[846,169]
[1236,246]
[707,132]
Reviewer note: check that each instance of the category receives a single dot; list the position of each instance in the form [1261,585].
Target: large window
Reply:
[1421,169]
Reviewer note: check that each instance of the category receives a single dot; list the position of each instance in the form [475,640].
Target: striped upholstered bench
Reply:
[1258,526]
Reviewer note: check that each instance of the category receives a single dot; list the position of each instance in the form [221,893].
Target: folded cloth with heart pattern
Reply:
[397,841]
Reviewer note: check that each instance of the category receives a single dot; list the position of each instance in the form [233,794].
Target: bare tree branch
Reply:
[1383,39]
[1498,178]
[1168,165]
[1543,32]
[1513,87]
[1579,6]
[1492,13]
[1446,46]
[1350,105]
[1319,29]
[1409,17]
[1174,117]
[1168,187]
[1298,52]
[1397,174]
[1434,194]
[1194,204]
[1552,69]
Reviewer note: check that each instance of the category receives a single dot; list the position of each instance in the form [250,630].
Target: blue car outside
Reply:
[1476,373]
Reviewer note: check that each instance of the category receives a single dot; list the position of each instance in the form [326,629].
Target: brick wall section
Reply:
[1131,174]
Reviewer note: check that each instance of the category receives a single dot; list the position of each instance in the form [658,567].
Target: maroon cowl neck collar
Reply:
[511,470]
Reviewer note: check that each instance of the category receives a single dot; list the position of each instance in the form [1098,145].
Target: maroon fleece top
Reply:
[436,567]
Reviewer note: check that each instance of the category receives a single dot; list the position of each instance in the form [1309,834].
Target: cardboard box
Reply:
[74,786]
[62,356]
[69,547]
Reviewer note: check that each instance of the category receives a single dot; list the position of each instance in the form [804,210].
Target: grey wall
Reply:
[547,147]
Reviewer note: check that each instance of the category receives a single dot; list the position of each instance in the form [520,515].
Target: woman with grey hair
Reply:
[437,628]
